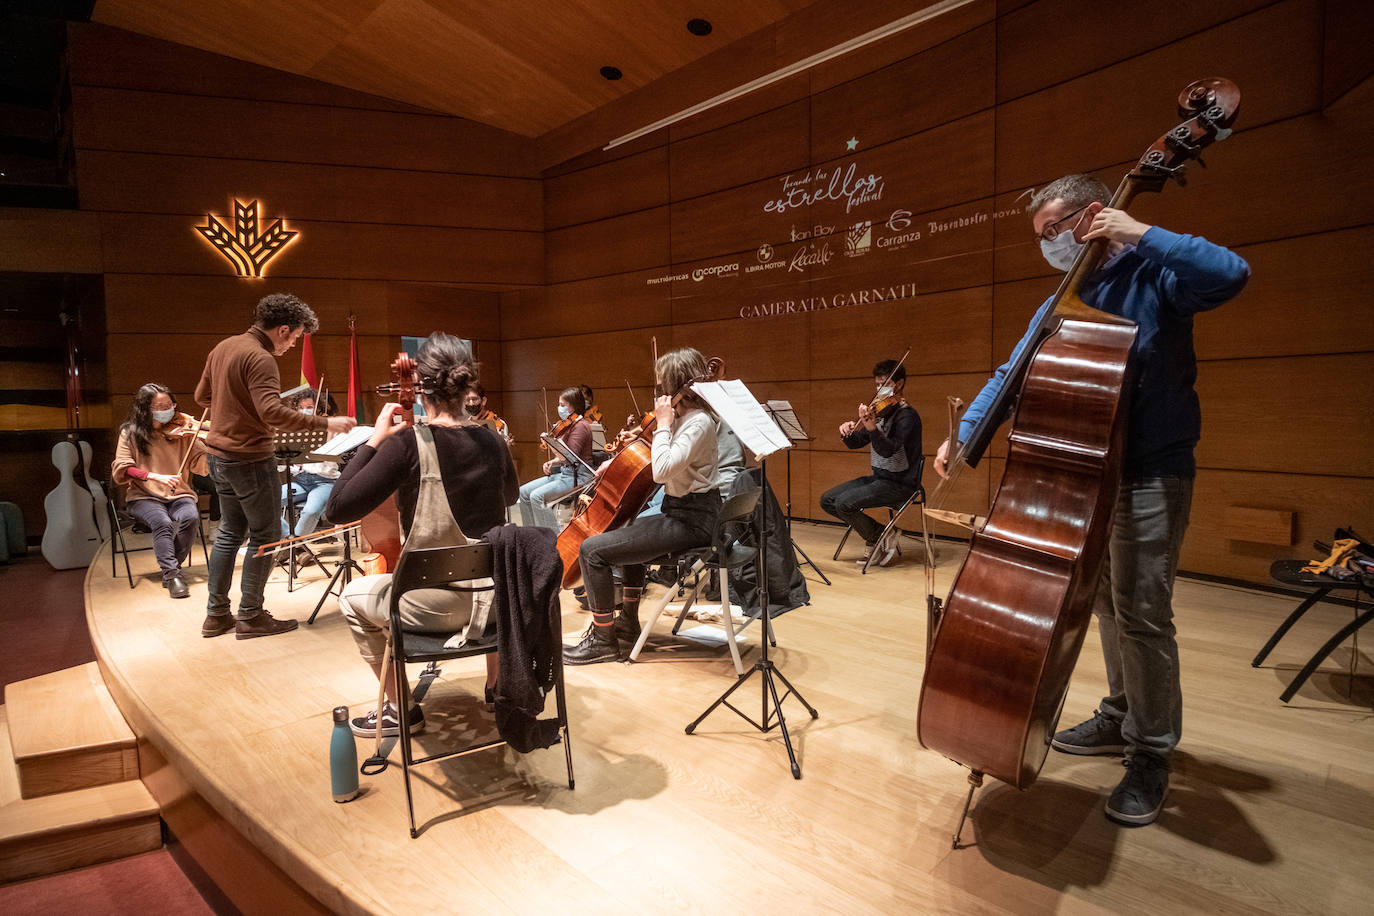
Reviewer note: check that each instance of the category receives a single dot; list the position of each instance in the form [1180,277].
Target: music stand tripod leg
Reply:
[345,570]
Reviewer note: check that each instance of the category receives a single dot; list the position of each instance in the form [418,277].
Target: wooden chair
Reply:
[725,553]
[443,568]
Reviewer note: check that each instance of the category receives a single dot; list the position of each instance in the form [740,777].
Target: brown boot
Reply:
[217,625]
[262,625]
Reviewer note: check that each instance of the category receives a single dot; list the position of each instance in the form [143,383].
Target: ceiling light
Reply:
[611,73]
[699,27]
[839,50]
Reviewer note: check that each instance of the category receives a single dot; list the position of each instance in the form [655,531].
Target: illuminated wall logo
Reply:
[246,248]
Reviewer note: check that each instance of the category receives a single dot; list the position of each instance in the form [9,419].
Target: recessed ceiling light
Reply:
[698,26]
[611,73]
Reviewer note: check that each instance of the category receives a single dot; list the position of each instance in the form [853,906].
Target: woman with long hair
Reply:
[453,479]
[151,464]
[684,459]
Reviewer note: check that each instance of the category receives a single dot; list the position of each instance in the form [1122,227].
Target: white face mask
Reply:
[307,410]
[564,412]
[1062,250]
[164,416]
[885,391]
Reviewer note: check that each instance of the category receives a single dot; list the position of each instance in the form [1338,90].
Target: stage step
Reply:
[41,836]
[67,733]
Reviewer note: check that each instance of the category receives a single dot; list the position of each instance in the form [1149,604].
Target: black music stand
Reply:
[344,570]
[288,446]
[785,416]
[756,429]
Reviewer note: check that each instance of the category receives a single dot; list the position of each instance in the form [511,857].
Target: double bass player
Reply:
[1160,280]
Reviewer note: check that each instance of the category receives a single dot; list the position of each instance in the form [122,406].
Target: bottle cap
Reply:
[341,715]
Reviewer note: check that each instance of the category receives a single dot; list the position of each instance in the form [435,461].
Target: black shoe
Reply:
[366,726]
[489,698]
[217,625]
[177,586]
[1140,795]
[262,625]
[1098,735]
[626,629]
[598,645]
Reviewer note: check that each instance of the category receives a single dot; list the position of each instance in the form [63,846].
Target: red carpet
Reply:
[43,629]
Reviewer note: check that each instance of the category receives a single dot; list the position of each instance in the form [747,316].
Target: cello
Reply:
[381,527]
[1011,628]
[623,487]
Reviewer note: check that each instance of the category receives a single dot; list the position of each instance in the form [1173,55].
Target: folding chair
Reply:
[727,553]
[443,568]
[894,515]
[119,523]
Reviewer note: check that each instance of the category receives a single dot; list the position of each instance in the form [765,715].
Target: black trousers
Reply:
[686,522]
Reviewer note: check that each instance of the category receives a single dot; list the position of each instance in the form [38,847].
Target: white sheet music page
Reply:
[733,402]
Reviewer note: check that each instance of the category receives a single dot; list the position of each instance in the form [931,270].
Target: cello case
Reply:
[70,538]
[1018,610]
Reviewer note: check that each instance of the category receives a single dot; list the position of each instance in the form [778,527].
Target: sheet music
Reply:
[345,443]
[291,393]
[738,407]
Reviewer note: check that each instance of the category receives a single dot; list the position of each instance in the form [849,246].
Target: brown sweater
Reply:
[242,388]
[163,457]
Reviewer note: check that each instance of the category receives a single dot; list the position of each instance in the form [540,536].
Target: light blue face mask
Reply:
[1061,251]
[164,416]
[564,412]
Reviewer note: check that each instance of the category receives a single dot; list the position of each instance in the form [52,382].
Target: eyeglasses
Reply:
[1051,232]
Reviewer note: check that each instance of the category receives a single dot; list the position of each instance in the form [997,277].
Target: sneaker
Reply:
[366,726]
[262,625]
[217,625]
[868,552]
[886,550]
[1098,735]
[1140,795]
[598,645]
[626,629]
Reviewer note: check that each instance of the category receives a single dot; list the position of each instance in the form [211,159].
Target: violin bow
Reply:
[191,446]
[633,400]
[322,399]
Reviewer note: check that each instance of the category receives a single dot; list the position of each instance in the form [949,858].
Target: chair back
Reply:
[441,567]
[732,524]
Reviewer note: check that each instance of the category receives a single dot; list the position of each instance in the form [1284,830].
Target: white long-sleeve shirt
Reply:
[684,456]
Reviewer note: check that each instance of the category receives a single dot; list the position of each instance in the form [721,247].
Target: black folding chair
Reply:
[119,523]
[894,515]
[444,568]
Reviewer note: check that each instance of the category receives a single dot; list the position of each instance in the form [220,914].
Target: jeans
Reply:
[1135,614]
[686,522]
[847,502]
[533,508]
[250,509]
[173,525]
[313,490]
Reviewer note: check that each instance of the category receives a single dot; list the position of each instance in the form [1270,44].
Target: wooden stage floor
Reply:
[1271,808]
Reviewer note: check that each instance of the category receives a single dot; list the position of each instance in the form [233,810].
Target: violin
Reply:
[882,403]
[185,421]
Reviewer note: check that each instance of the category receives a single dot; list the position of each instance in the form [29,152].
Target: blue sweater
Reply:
[1160,285]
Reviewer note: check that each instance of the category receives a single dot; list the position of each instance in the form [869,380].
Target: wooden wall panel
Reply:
[947,332]
[640,182]
[1052,41]
[1274,55]
[49,241]
[770,351]
[626,243]
[143,183]
[945,83]
[580,306]
[419,309]
[1349,33]
[733,221]
[562,361]
[1319,503]
[152,244]
[1300,414]
[157,303]
[777,141]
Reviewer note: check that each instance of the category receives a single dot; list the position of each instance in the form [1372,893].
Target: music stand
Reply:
[288,446]
[732,401]
[785,416]
[345,569]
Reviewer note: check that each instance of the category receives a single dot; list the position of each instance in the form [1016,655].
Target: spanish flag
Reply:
[308,374]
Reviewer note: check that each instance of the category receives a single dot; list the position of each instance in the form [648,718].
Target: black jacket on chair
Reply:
[528,573]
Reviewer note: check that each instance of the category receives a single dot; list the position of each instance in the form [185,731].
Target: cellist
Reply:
[685,462]
[891,428]
[1160,280]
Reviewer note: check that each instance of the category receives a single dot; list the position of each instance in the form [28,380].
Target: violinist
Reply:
[475,406]
[242,389]
[1160,280]
[685,462]
[453,479]
[891,428]
[598,426]
[158,451]
[575,432]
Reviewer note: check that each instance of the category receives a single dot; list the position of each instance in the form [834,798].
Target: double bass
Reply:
[623,488]
[1016,615]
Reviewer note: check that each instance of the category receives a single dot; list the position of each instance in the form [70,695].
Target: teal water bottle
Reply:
[343,758]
